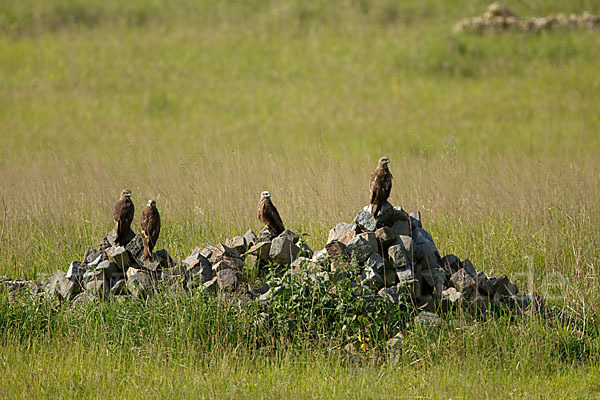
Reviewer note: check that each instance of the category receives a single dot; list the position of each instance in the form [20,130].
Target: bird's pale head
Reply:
[125,194]
[152,203]
[265,195]
[383,161]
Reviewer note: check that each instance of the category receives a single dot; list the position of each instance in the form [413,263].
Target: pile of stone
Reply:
[498,17]
[399,259]
[391,256]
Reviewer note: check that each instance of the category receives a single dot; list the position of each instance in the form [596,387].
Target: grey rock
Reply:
[365,221]
[390,294]
[227,280]
[424,248]
[300,262]
[415,220]
[211,286]
[192,258]
[266,235]
[226,263]
[319,256]
[376,262]
[502,286]
[398,256]
[452,295]
[119,288]
[250,238]
[463,282]
[409,246]
[405,275]
[283,251]
[530,302]
[75,271]
[238,243]
[92,256]
[434,277]
[401,228]
[305,250]
[135,247]
[468,266]
[199,269]
[258,288]
[429,261]
[139,284]
[371,278]
[290,236]
[119,256]
[342,232]
[399,214]
[385,236]
[428,319]
[360,249]
[266,296]
[60,285]
[450,263]
[386,213]
[389,277]
[96,288]
[261,250]
[369,237]
[109,240]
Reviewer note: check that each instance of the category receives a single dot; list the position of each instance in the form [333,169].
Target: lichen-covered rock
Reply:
[337,254]
[398,256]
[119,288]
[463,282]
[258,288]
[227,280]
[283,251]
[360,249]
[342,232]
[93,256]
[135,247]
[451,295]
[365,221]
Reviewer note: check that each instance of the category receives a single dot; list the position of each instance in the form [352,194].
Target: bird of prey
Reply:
[268,214]
[123,215]
[381,185]
[149,227]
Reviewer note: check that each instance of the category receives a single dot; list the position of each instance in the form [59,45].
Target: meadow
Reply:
[495,138]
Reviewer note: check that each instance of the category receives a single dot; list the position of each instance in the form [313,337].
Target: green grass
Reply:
[494,138]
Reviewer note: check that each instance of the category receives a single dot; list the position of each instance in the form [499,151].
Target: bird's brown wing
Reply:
[154,225]
[272,217]
[381,187]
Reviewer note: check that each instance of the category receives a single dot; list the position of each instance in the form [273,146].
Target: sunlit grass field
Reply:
[201,106]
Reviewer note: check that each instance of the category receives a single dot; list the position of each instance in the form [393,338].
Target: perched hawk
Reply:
[381,185]
[268,214]
[149,227]
[123,215]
